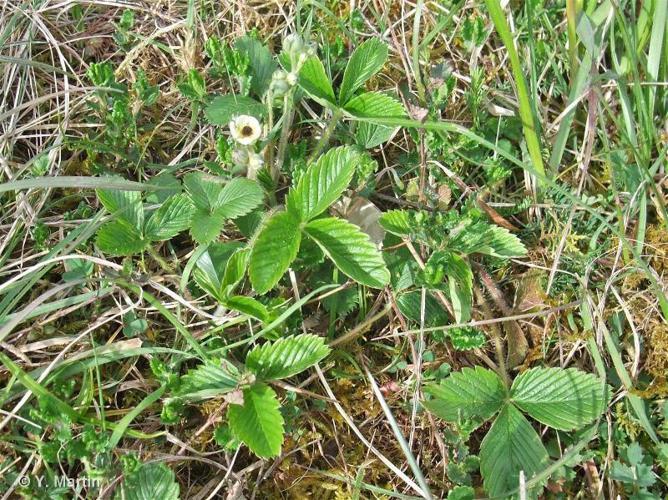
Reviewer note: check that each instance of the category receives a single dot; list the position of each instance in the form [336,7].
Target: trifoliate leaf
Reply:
[565,399]
[286,357]
[472,392]
[258,423]
[350,249]
[323,183]
[275,248]
[170,219]
[77,269]
[367,59]
[640,475]
[510,446]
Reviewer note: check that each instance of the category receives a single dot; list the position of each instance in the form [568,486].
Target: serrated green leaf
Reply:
[371,105]
[204,190]
[510,446]
[170,219]
[125,205]
[235,269]
[489,240]
[206,226]
[350,249]
[239,197]
[367,59]
[314,81]
[471,392]
[640,475]
[248,306]
[222,109]
[248,224]
[212,266]
[369,136]
[396,222]
[375,105]
[208,380]
[169,185]
[460,283]
[564,399]
[262,65]
[504,244]
[341,303]
[275,248]
[287,356]
[258,423]
[120,238]
[323,183]
[150,481]
[76,269]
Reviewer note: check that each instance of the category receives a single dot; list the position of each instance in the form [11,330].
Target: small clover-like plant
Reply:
[364,63]
[564,399]
[132,229]
[253,411]
[278,241]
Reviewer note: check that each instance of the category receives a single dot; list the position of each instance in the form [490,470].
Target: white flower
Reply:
[245,129]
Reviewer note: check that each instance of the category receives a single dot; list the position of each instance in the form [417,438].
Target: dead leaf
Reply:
[363,213]
[496,217]
[235,397]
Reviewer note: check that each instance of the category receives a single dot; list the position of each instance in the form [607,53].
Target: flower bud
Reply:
[293,44]
[291,78]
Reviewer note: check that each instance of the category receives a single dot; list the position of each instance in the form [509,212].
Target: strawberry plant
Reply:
[563,399]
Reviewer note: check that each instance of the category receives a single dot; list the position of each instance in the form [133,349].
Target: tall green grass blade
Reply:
[529,123]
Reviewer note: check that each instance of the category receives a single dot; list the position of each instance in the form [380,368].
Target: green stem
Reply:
[416,53]
[288,114]
[162,262]
[327,134]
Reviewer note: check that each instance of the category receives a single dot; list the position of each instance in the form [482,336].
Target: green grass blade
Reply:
[529,124]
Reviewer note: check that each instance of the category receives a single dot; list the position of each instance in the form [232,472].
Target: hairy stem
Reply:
[326,135]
